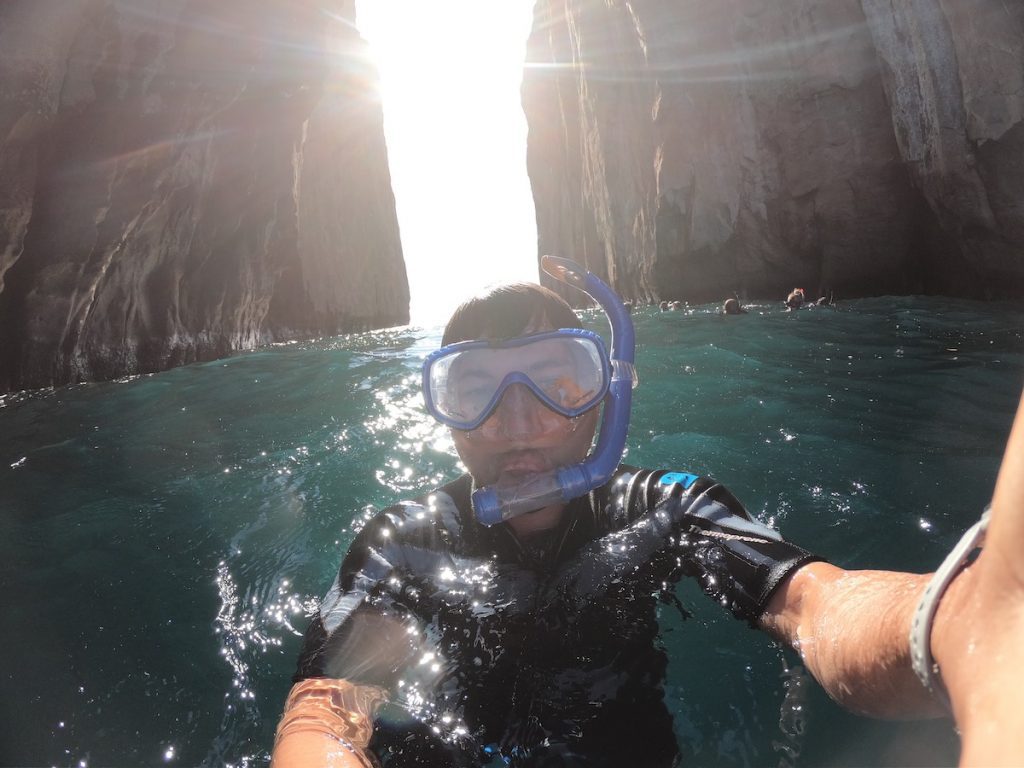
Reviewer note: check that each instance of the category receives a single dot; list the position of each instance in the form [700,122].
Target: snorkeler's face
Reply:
[523,437]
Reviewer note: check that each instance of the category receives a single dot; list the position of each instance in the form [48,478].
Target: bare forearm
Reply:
[851,628]
[977,645]
[977,639]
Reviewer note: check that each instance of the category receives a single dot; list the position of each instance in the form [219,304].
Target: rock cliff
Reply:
[181,179]
[693,148]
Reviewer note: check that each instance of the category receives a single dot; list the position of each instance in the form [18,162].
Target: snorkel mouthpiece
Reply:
[496,503]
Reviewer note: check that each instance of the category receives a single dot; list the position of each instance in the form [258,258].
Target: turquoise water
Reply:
[163,537]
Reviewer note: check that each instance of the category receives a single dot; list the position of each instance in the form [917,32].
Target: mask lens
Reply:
[569,372]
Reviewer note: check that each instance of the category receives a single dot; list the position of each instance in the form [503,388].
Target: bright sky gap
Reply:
[450,78]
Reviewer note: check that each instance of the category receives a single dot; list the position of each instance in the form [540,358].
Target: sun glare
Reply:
[456,135]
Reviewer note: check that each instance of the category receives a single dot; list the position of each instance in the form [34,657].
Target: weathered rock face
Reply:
[179,180]
[693,148]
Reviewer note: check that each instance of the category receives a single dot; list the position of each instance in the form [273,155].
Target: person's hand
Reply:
[327,723]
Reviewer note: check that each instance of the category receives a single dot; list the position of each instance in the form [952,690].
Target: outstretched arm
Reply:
[852,628]
[978,639]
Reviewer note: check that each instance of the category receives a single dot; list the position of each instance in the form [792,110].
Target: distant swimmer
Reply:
[732,307]
[663,306]
[796,299]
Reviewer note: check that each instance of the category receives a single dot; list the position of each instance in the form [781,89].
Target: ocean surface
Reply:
[163,538]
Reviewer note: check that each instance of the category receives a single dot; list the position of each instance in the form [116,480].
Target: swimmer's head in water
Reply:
[543,421]
[519,383]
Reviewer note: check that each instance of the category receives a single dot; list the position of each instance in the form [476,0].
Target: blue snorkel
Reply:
[494,504]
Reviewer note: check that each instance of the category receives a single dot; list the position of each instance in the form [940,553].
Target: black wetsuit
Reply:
[540,654]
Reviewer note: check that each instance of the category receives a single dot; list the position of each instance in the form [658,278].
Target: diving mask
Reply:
[568,370]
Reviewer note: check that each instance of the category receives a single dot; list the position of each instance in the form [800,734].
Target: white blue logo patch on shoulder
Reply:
[684,479]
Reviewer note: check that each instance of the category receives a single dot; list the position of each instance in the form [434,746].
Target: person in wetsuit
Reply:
[445,641]
[539,646]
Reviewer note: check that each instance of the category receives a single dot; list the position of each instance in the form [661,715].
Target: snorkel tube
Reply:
[497,503]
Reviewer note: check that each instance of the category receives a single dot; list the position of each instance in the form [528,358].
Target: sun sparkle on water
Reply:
[456,136]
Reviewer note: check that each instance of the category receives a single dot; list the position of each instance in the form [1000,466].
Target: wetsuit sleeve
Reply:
[738,561]
[363,631]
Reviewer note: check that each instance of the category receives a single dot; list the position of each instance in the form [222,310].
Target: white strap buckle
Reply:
[921,628]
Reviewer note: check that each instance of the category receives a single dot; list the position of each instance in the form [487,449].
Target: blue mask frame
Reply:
[515,377]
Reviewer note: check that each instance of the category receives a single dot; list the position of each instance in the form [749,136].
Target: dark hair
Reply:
[506,311]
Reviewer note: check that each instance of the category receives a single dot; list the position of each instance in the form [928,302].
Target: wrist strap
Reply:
[925,668]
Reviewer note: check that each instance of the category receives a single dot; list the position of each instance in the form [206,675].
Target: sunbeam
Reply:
[456,135]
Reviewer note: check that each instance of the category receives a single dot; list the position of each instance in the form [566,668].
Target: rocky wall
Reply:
[183,179]
[690,149]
